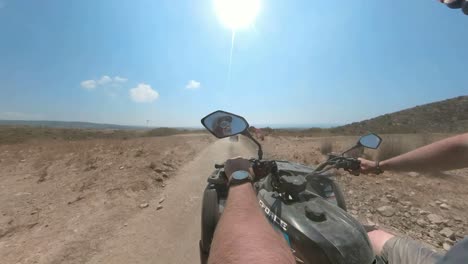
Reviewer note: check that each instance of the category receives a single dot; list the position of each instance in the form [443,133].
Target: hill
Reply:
[447,116]
[65,124]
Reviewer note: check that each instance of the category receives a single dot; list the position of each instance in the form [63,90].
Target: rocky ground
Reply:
[430,207]
[108,200]
[61,200]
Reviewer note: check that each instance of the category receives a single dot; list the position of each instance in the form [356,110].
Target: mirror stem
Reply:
[352,148]
[260,151]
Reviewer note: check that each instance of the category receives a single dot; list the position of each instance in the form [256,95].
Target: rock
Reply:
[386,211]
[449,241]
[167,164]
[369,215]
[435,219]
[384,200]
[162,200]
[392,198]
[407,215]
[164,175]
[121,168]
[419,185]
[432,204]
[412,194]
[448,233]
[438,202]
[144,205]
[422,212]
[444,200]
[431,233]
[159,207]
[354,212]
[413,174]
[370,222]
[444,206]
[406,203]
[457,219]
[421,222]
[446,246]
[125,224]
[159,178]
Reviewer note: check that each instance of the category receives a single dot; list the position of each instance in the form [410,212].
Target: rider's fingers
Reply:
[453,3]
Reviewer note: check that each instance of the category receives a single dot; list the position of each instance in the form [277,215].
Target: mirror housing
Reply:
[223,124]
[371,141]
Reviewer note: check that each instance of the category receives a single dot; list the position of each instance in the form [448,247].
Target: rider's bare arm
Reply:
[243,234]
[447,154]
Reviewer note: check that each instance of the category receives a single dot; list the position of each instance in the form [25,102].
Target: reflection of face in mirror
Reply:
[370,141]
[223,124]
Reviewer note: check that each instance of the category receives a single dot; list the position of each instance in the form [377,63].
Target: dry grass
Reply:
[394,145]
[21,134]
[326,147]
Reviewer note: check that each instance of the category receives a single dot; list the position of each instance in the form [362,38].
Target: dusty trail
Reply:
[171,235]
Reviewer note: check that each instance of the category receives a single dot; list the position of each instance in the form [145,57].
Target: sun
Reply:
[237,14]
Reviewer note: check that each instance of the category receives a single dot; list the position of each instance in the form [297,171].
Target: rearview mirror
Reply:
[223,124]
[371,141]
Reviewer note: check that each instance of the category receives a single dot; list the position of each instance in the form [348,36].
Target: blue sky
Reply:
[302,62]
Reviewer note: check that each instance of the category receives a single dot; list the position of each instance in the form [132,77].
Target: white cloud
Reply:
[119,79]
[143,93]
[88,84]
[104,80]
[192,85]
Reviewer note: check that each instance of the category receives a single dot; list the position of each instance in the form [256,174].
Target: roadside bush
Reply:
[394,145]
[326,147]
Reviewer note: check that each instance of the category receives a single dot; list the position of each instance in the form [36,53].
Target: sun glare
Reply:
[237,14]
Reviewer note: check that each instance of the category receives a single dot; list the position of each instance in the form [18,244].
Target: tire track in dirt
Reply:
[171,235]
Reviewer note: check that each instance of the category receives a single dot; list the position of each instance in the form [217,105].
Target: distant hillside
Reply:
[63,124]
[448,116]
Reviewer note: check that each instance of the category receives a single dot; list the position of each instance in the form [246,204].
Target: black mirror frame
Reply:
[221,111]
[380,140]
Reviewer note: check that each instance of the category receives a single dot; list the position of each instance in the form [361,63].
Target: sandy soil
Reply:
[138,200]
[62,200]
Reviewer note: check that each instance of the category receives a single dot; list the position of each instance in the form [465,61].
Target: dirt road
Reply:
[171,234]
[96,201]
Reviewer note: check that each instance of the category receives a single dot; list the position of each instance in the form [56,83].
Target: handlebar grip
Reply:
[355,164]
[219,166]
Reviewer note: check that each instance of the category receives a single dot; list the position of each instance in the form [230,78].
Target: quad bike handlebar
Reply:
[262,168]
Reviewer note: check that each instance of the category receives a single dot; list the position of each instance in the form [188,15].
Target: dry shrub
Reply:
[394,145]
[326,147]
[391,147]
[139,153]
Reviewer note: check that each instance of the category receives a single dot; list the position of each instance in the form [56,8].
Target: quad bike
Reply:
[303,203]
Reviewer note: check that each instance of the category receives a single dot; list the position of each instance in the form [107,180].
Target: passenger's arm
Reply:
[447,154]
